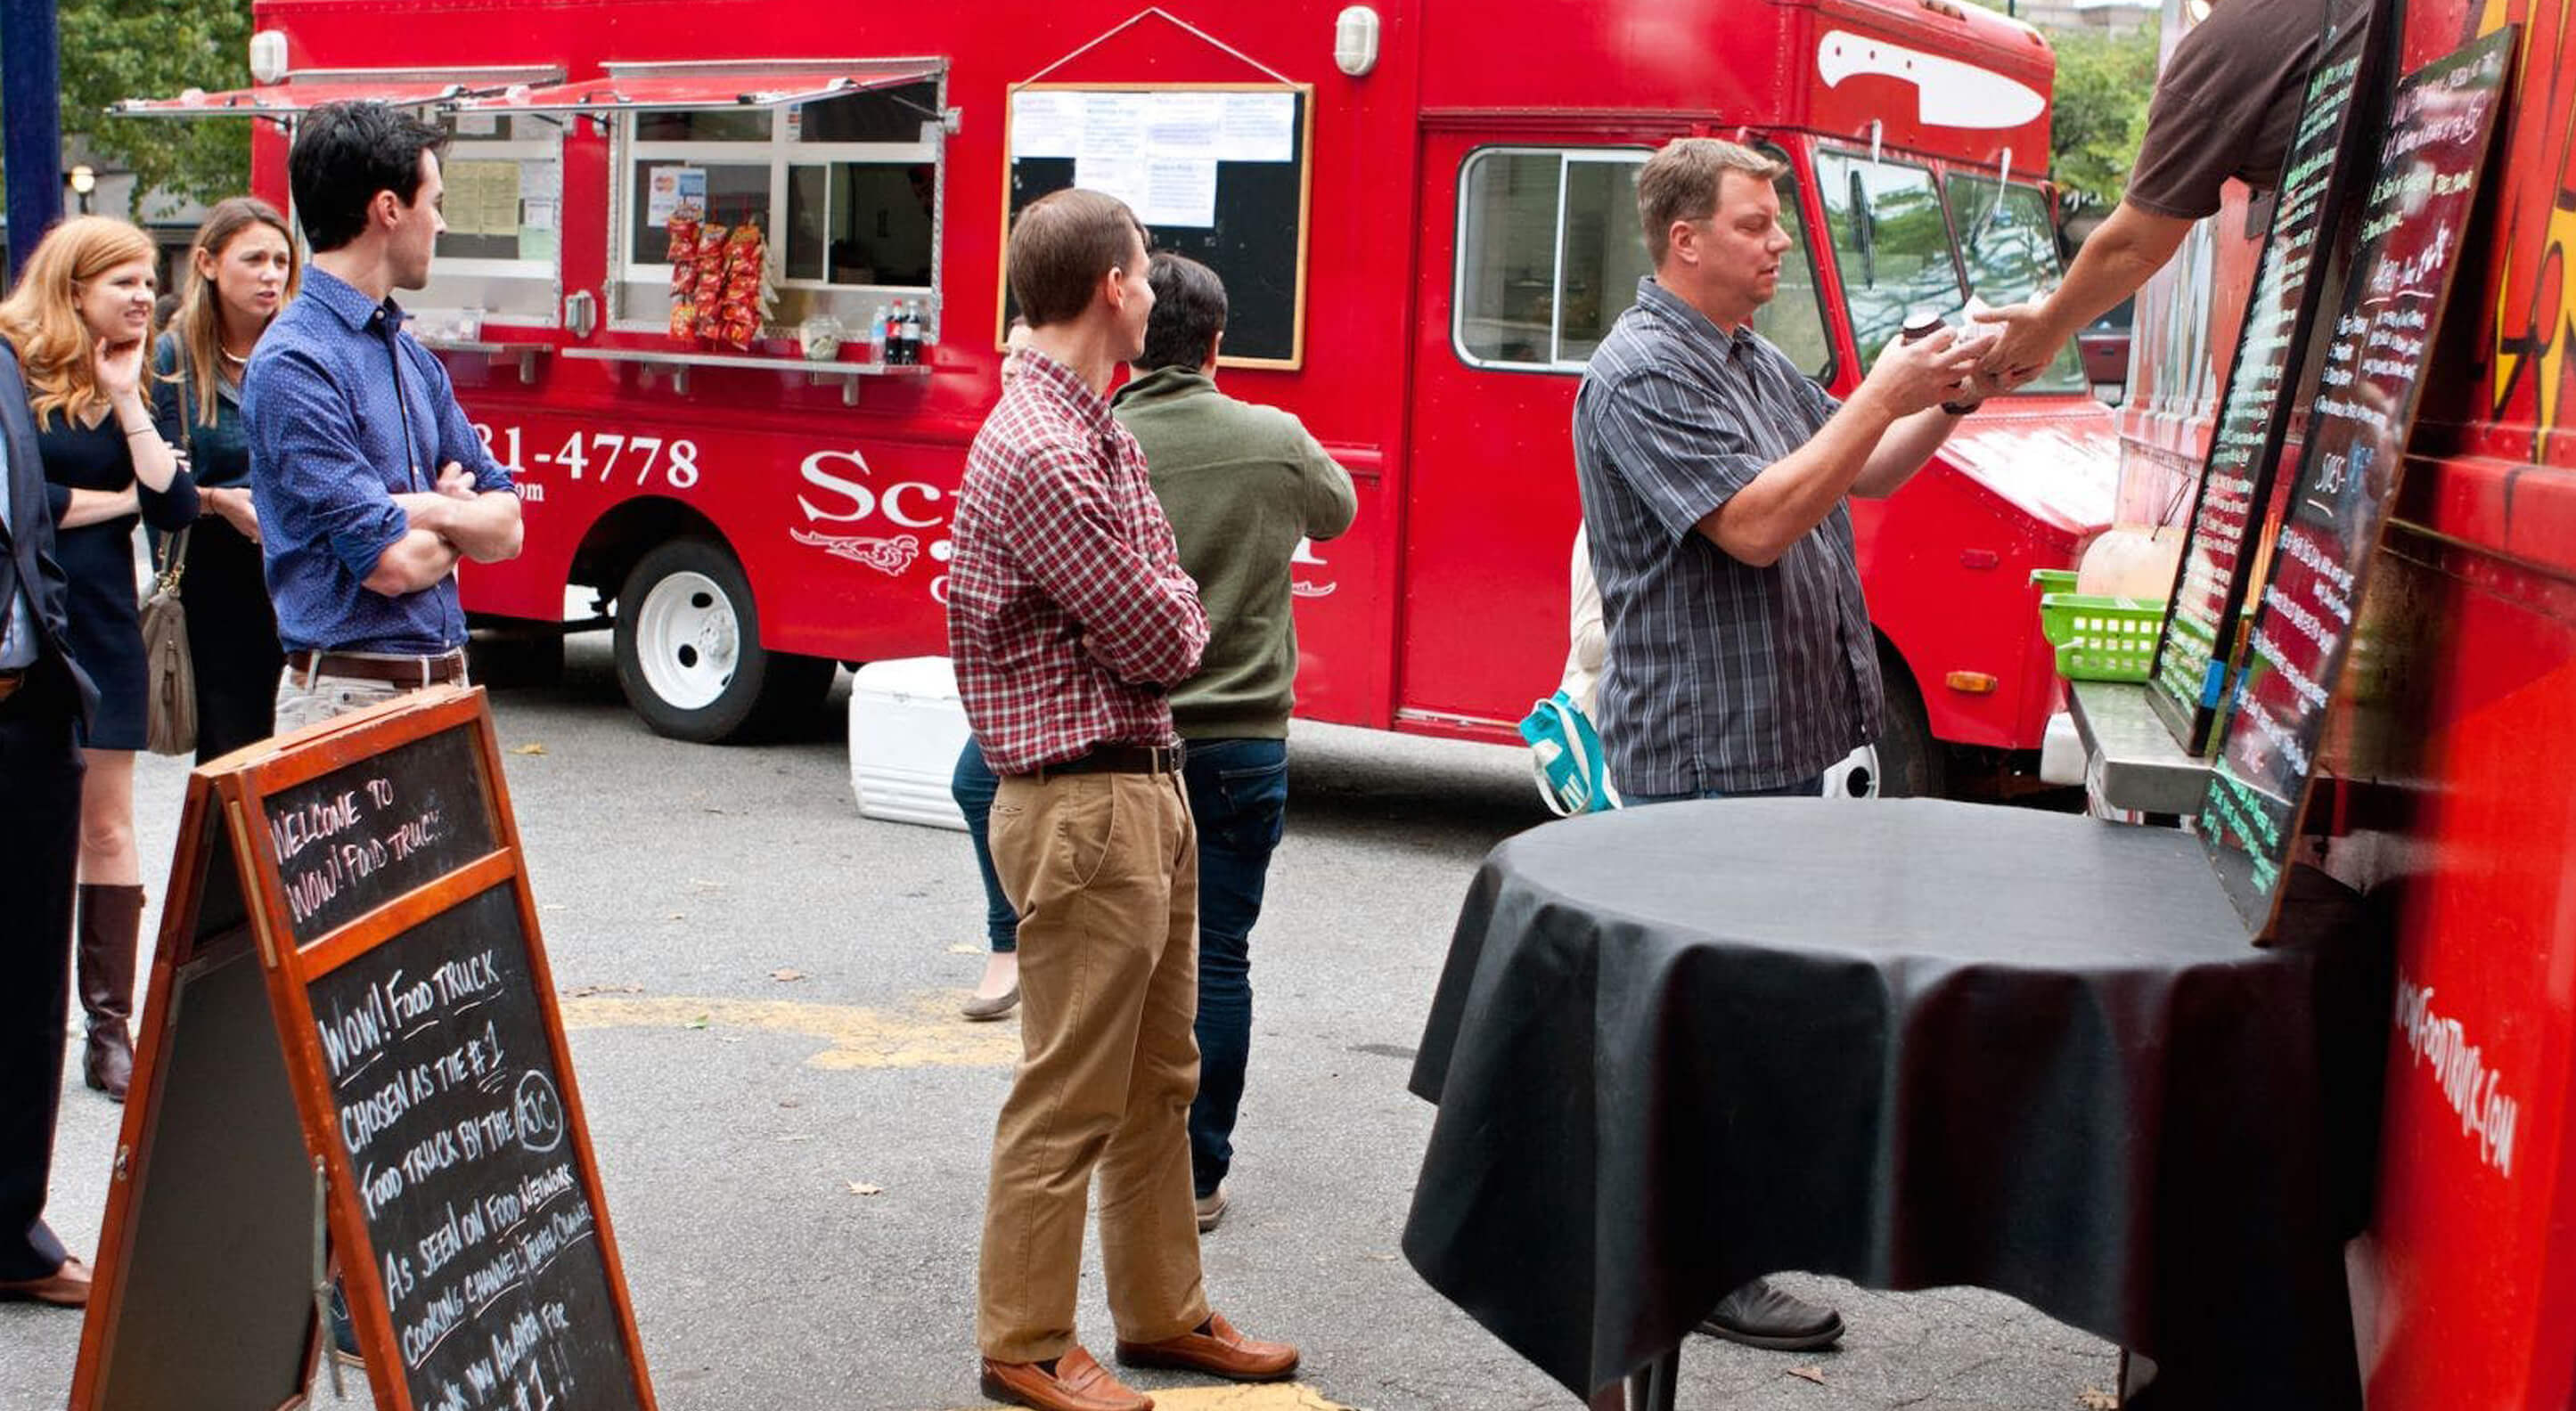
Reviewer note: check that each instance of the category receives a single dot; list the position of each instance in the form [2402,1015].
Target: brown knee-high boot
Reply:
[111,925]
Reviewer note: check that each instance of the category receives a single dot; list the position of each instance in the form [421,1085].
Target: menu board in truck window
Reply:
[2414,225]
[2199,636]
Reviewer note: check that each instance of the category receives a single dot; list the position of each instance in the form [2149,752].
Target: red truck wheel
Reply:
[689,655]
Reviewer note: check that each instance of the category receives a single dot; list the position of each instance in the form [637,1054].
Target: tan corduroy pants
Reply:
[1104,871]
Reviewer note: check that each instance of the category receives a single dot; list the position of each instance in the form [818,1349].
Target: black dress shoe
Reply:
[1760,1314]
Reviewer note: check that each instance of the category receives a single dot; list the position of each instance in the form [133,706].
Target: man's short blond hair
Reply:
[1680,183]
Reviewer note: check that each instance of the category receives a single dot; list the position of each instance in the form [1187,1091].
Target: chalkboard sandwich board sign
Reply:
[2414,227]
[352,1040]
[2266,377]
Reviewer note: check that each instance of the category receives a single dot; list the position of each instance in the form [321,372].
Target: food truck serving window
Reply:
[846,186]
[500,257]
[1549,255]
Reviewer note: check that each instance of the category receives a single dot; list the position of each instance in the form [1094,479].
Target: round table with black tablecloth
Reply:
[1911,1043]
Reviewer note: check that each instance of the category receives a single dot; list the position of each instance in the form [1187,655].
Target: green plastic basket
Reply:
[2097,638]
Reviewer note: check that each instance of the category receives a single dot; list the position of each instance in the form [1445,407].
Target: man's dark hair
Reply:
[1189,312]
[1061,246]
[344,154]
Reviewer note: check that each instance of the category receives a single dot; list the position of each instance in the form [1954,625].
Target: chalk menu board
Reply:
[451,1116]
[422,1102]
[1218,172]
[2414,224]
[2254,416]
[348,841]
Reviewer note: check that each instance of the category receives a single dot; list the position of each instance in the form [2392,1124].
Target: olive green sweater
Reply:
[1241,485]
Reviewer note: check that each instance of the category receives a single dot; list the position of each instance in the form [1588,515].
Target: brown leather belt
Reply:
[402,671]
[11,680]
[1120,759]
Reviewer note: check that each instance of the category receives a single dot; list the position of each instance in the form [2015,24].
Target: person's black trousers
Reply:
[40,789]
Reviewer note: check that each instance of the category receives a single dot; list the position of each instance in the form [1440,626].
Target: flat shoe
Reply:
[66,1287]
[979,1007]
[1218,1350]
[1762,1314]
[1078,1383]
[1210,1209]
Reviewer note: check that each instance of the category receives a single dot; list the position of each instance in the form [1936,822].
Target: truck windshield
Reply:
[1891,243]
[2010,250]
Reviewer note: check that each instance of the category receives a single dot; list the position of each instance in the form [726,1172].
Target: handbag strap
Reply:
[174,563]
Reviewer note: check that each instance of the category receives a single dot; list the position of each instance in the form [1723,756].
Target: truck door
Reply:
[1531,251]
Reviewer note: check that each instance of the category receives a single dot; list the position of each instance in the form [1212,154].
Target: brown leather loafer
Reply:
[1079,1383]
[1216,1349]
[66,1287]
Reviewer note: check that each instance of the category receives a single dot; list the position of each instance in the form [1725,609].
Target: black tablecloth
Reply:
[1911,1043]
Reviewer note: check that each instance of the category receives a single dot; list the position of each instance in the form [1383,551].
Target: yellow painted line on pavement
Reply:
[1270,1396]
[928,1034]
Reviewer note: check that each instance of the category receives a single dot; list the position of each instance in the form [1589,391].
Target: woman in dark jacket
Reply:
[241,272]
[78,321]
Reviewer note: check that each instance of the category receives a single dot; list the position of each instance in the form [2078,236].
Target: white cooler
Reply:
[906,727]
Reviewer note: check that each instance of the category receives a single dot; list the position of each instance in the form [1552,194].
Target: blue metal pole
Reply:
[31,123]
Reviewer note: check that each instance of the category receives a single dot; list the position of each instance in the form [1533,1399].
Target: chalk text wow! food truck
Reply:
[1424,214]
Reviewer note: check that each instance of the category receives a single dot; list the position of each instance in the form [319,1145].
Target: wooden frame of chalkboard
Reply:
[406,1013]
[2266,378]
[1251,340]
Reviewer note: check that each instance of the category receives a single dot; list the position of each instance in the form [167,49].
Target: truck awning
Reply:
[640,87]
[303,92]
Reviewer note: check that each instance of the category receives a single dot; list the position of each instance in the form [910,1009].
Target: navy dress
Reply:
[232,630]
[99,560]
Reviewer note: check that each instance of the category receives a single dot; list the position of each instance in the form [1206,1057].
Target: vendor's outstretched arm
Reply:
[2119,256]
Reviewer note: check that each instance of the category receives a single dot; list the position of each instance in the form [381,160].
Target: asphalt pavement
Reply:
[792,1126]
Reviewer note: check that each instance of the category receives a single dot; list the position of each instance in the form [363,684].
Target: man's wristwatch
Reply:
[1962,408]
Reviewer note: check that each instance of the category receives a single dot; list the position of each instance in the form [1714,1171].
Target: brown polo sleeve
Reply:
[2226,105]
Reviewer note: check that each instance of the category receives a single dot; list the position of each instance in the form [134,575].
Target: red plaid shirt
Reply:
[1068,612]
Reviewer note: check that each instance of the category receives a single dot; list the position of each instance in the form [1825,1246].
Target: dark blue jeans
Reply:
[972,786]
[1239,799]
[1803,789]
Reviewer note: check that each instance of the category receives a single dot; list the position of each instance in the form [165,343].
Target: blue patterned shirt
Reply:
[344,410]
[1722,675]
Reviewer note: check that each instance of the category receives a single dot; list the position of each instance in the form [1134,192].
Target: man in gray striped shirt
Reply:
[1714,480]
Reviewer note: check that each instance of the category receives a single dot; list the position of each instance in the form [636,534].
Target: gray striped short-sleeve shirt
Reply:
[1722,675]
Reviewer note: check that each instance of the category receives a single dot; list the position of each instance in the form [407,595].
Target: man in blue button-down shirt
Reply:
[369,481]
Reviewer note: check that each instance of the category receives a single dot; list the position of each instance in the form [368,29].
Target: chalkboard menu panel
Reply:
[360,836]
[1216,172]
[2199,633]
[2413,227]
[451,1114]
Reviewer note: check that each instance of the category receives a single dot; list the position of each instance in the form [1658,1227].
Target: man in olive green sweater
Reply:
[1241,485]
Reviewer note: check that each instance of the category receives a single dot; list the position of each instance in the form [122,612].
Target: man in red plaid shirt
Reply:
[1069,617]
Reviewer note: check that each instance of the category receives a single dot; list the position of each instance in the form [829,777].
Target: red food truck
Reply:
[2434,801]
[1423,212]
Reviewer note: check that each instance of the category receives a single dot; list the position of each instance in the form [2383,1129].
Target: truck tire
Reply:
[688,650]
[1911,764]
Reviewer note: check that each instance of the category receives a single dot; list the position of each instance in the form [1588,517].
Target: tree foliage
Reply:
[2103,83]
[114,49]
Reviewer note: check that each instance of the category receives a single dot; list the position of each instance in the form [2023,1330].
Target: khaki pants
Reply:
[305,700]
[1104,871]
